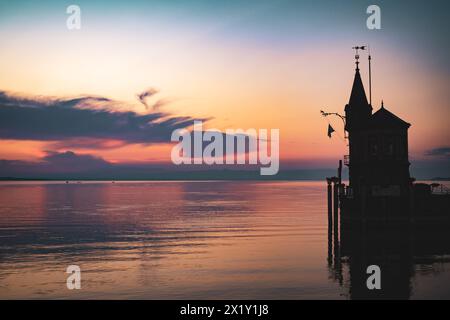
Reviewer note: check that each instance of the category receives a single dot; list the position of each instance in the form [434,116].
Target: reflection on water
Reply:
[196,240]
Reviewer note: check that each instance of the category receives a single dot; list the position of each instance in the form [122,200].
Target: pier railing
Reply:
[439,188]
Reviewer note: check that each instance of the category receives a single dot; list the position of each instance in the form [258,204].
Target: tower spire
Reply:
[358,96]
[358,110]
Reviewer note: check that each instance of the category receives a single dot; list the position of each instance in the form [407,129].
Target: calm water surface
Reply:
[178,240]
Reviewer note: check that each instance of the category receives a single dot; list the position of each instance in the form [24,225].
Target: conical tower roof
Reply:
[358,95]
[358,110]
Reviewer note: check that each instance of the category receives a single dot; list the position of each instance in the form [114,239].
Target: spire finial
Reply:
[382,104]
[357,55]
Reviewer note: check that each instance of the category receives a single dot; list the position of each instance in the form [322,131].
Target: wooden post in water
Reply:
[340,186]
[336,206]
[330,201]
[330,221]
[340,172]
[337,255]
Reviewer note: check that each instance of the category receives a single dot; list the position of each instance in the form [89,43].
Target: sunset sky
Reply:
[240,64]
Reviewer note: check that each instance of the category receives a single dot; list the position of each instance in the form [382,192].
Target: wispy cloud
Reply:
[146,94]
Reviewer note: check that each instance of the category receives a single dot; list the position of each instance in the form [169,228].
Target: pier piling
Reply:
[330,220]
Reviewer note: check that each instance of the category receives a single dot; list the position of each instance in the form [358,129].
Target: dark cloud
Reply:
[70,162]
[437,164]
[54,163]
[146,94]
[86,122]
[54,119]
[439,152]
[7,99]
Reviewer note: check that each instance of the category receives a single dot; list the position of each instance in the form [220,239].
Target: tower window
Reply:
[389,146]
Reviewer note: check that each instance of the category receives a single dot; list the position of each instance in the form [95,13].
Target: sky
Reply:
[235,64]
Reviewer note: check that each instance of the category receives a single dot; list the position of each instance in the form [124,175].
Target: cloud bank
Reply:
[59,119]
[439,152]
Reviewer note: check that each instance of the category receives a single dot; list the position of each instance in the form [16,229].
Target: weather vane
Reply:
[357,54]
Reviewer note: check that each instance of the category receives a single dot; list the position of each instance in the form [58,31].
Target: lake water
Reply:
[180,240]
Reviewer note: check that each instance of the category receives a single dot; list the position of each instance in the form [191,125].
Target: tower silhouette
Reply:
[378,146]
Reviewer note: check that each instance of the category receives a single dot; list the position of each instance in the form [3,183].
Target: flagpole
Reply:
[370,78]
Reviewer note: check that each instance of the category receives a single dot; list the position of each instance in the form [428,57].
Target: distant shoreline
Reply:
[155,179]
[243,178]
[220,175]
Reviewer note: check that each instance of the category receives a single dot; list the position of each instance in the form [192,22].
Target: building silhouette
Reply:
[378,147]
[382,217]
